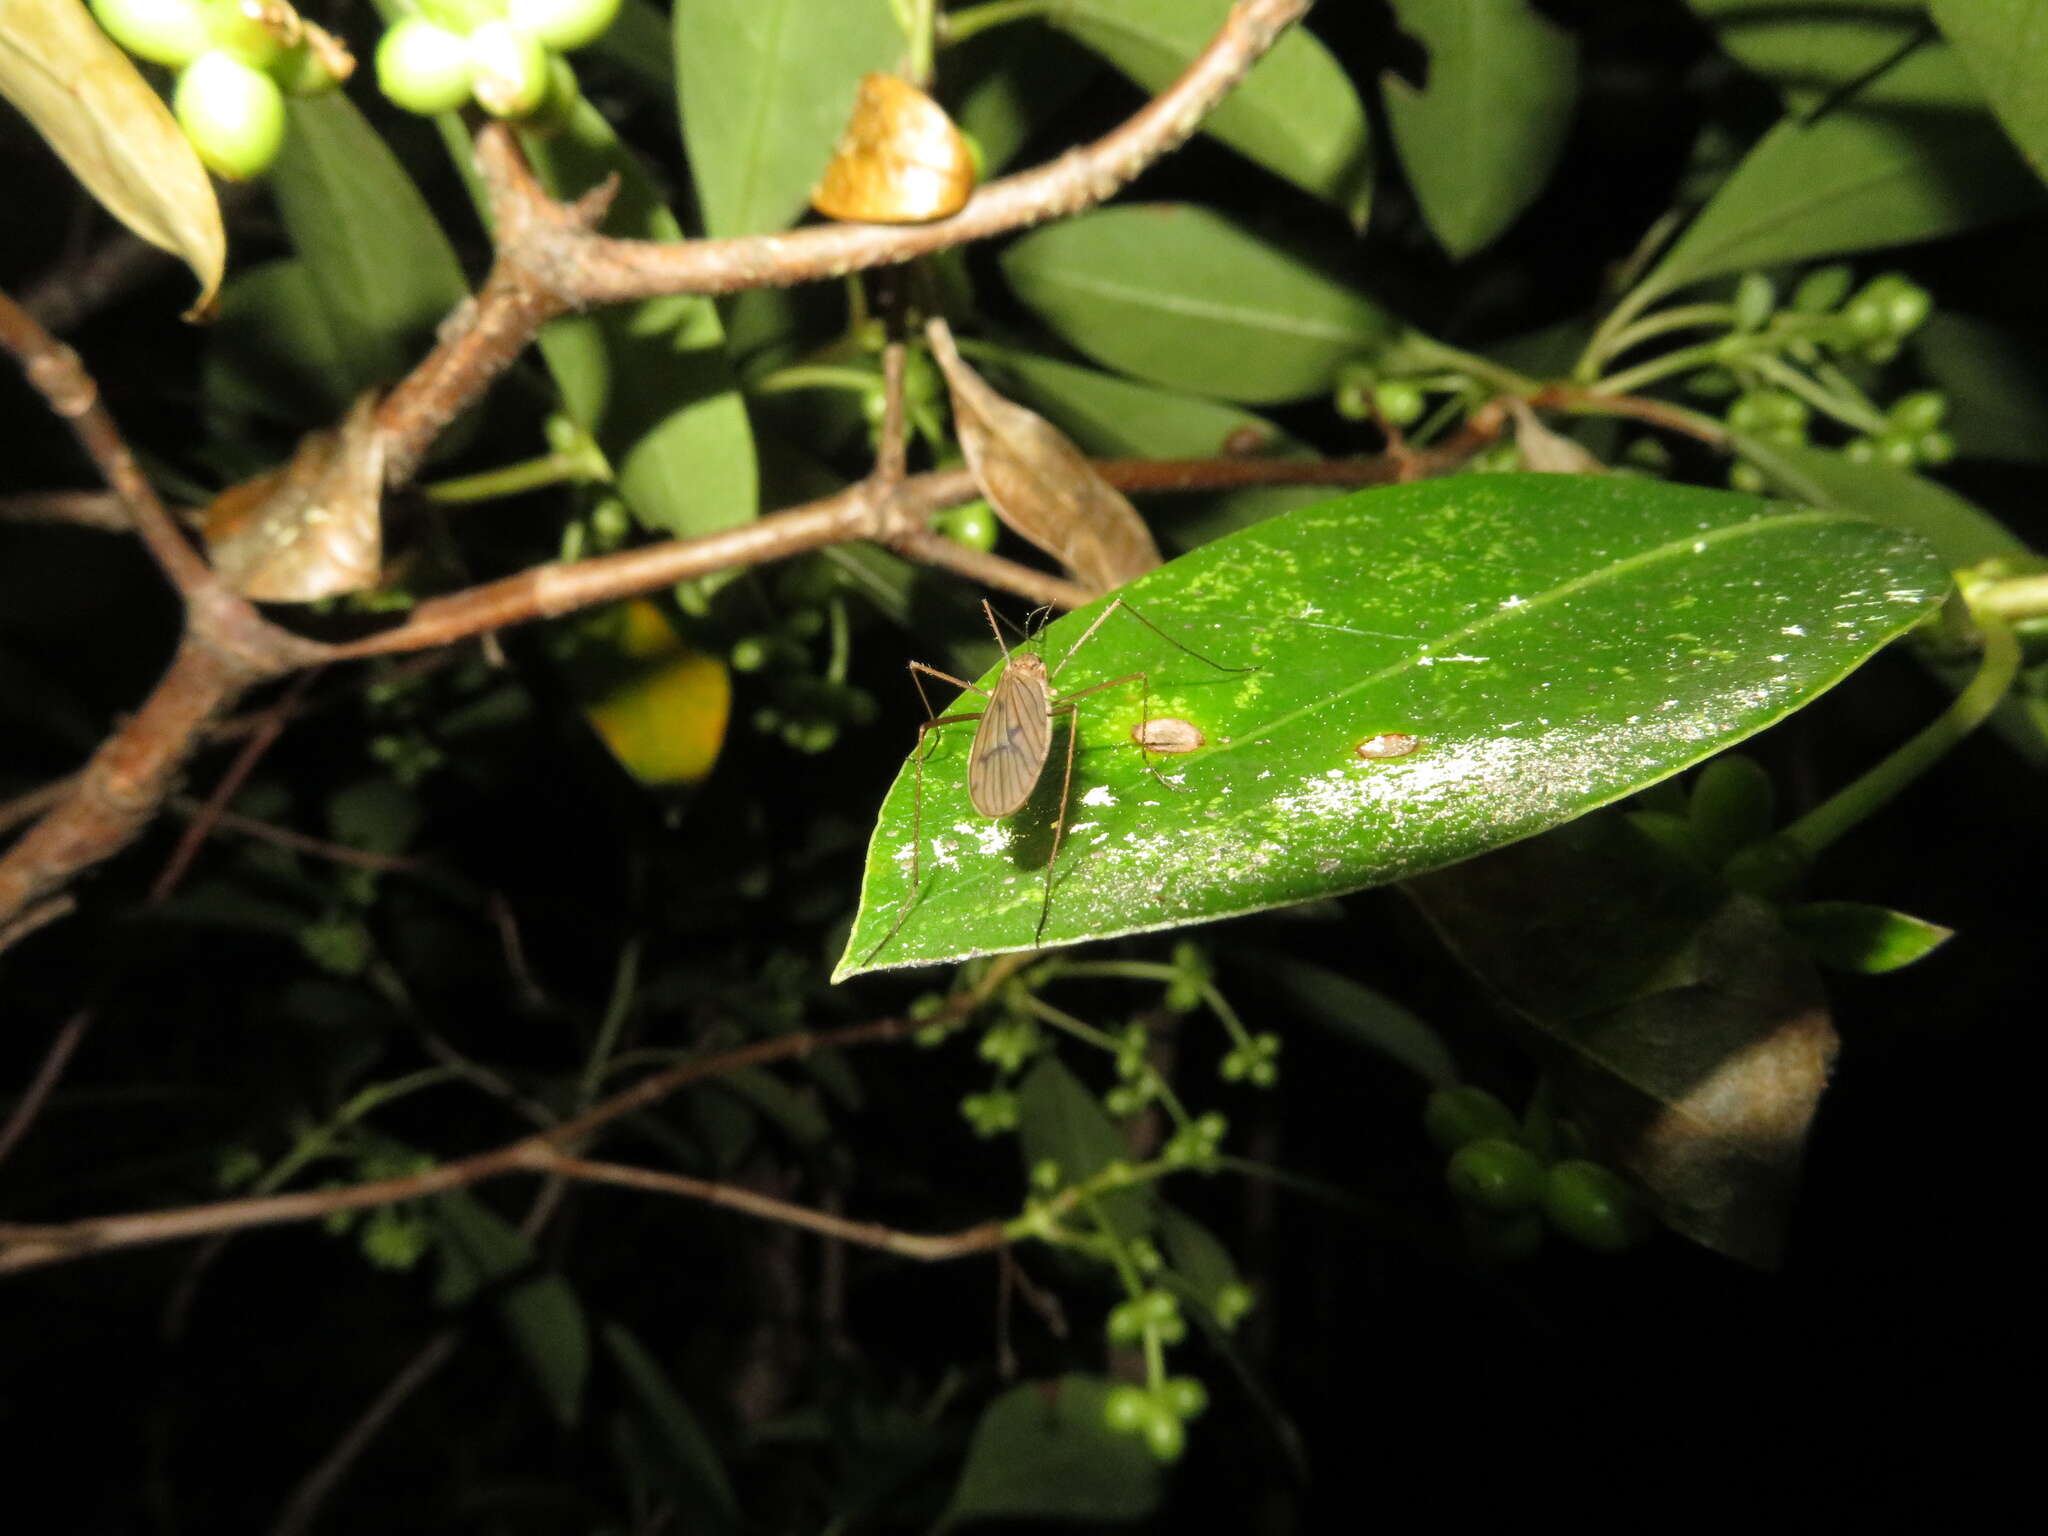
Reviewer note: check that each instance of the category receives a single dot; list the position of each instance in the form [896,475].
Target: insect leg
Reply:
[917,818]
[1146,713]
[1059,827]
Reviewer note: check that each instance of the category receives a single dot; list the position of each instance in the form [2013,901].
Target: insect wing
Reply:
[1011,743]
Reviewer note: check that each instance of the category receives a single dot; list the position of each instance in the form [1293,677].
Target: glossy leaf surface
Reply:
[1555,642]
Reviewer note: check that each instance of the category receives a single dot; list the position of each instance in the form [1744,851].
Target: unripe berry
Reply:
[1456,1117]
[1496,1175]
[232,113]
[424,68]
[509,69]
[169,32]
[1590,1204]
[972,525]
[563,24]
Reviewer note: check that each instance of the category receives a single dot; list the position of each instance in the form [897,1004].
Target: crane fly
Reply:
[1013,740]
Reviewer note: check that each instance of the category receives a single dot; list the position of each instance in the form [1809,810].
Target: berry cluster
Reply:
[506,55]
[1509,1176]
[236,60]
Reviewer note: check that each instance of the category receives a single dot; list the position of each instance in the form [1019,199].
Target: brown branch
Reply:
[610,271]
[102,511]
[549,262]
[27,1247]
[931,1247]
[58,375]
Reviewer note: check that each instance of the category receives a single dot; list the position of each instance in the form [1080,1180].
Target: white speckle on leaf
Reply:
[1099,795]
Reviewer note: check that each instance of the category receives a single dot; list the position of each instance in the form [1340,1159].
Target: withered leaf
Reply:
[1548,452]
[89,101]
[1041,485]
[312,528]
[1684,1026]
[900,161]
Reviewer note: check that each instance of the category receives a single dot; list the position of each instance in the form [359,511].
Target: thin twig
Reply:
[27,1247]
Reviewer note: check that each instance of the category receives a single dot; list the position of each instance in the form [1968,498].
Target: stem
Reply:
[1826,822]
[2012,599]
[1630,380]
[1686,317]
[510,479]
[961,25]
[618,1008]
[1856,412]
[1127,970]
[919,18]
[817,376]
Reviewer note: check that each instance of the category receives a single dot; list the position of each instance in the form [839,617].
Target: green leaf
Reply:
[1180,296]
[1996,383]
[1553,642]
[1864,940]
[1362,1016]
[1817,49]
[1115,418]
[1905,159]
[650,381]
[1480,141]
[766,87]
[1044,1451]
[638,42]
[1961,532]
[1296,113]
[480,1248]
[2005,45]
[682,1453]
[1060,1121]
[273,357]
[1007,83]
[378,260]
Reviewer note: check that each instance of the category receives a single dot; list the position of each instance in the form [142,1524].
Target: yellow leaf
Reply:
[88,100]
[663,706]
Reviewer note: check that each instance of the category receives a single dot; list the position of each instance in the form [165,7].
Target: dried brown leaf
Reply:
[900,161]
[312,528]
[1041,485]
[88,100]
[1547,452]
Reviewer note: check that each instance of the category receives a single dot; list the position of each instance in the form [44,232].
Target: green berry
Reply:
[509,69]
[1399,401]
[1496,1175]
[1165,1436]
[1859,450]
[1733,804]
[1745,476]
[1590,1204]
[972,526]
[1186,1396]
[1456,1117]
[1936,447]
[1921,411]
[1865,317]
[1898,450]
[1352,397]
[169,32]
[1128,1408]
[1711,384]
[563,24]
[1822,289]
[1755,297]
[232,113]
[424,68]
